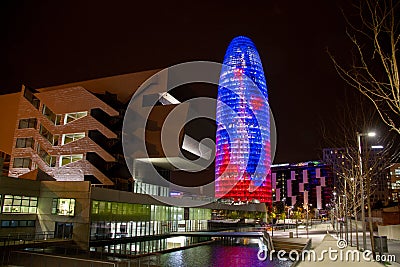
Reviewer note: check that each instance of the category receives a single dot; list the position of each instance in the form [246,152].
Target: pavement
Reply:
[324,237]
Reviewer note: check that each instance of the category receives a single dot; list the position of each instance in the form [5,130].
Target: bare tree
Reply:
[374,70]
[351,178]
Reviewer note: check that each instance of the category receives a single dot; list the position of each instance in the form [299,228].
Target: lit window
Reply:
[27,123]
[69,117]
[63,206]
[68,138]
[19,204]
[67,159]
[24,142]
[22,163]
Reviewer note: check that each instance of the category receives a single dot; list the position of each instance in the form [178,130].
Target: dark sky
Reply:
[48,43]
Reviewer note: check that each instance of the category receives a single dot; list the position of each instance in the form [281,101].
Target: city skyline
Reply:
[292,40]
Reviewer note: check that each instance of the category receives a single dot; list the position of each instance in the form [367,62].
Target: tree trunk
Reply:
[355,218]
[351,232]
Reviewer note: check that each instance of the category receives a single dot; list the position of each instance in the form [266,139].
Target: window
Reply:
[68,138]
[22,223]
[19,204]
[27,123]
[69,117]
[53,139]
[63,206]
[50,160]
[28,94]
[67,159]
[22,163]
[54,118]
[24,142]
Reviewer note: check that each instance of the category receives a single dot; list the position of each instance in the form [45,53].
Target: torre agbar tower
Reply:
[243,154]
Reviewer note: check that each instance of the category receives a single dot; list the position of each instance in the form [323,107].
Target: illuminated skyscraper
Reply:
[243,154]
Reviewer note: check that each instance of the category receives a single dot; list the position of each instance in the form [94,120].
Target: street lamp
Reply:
[370,134]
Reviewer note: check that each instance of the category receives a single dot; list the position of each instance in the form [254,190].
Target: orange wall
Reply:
[8,117]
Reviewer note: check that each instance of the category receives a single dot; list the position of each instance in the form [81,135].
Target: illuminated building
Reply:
[70,177]
[242,164]
[305,183]
[395,181]
[336,157]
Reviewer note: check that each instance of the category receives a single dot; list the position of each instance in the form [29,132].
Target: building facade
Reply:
[59,132]
[395,182]
[306,184]
[345,162]
[92,215]
[243,153]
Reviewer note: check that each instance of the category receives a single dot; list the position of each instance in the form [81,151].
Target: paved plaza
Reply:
[318,232]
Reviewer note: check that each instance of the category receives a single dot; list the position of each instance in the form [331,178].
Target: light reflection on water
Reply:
[219,255]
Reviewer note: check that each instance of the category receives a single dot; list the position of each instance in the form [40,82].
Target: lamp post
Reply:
[370,134]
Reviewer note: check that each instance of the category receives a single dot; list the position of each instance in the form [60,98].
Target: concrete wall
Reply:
[391,231]
[80,191]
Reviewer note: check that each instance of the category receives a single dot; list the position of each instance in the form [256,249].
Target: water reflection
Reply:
[219,255]
[149,246]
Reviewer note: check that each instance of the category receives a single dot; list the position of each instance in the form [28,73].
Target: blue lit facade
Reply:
[243,154]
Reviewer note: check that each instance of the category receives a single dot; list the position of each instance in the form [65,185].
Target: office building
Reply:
[243,154]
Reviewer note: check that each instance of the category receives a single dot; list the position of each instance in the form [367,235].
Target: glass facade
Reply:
[116,219]
[150,189]
[243,156]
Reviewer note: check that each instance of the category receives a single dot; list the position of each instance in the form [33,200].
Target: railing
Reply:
[25,238]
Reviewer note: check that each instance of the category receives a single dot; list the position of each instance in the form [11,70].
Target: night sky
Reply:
[47,43]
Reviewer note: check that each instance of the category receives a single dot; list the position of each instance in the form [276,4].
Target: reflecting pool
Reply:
[219,255]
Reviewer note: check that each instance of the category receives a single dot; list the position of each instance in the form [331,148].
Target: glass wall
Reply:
[117,220]
[150,189]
